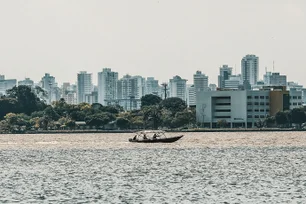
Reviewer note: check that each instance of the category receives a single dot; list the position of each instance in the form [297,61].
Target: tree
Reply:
[174,105]
[122,123]
[28,102]
[99,119]
[222,123]
[150,100]
[281,118]
[8,105]
[298,116]
[152,114]
[50,113]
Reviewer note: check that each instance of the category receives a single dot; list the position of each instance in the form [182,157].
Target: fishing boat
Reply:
[153,136]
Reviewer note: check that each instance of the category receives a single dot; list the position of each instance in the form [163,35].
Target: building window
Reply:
[299,97]
[294,97]
[294,104]
[262,116]
[268,110]
[223,104]
[262,97]
[249,103]
[262,110]
[222,116]
[256,110]
[299,104]
[250,110]
[267,103]
[249,97]
[262,103]
[256,97]
[250,116]
[256,116]
[267,97]
[256,103]
[223,110]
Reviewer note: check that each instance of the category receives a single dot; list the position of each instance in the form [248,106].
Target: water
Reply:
[200,168]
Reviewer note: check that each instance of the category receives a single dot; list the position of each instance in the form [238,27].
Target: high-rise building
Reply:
[50,86]
[250,69]
[130,89]
[191,95]
[69,93]
[84,86]
[152,86]
[107,86]
[26,82]
[275,79]
[177,87]
[233,82]
[225,73]
[200,81]
[6,84]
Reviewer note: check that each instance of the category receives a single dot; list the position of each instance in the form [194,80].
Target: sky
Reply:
[159,38]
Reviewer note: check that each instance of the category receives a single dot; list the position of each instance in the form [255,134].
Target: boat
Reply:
[153,136]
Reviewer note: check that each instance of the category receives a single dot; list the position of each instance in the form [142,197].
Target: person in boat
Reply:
[134,138]
[145,137]
[154,136]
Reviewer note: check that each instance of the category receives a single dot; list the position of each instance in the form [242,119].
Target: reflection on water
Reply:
[200,168]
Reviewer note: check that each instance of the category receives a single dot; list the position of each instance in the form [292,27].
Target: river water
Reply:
[256,167]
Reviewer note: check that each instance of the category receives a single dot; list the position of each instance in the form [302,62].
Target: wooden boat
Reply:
[152,136]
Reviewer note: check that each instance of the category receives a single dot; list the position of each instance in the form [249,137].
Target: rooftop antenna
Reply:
[273,65]
[266,70]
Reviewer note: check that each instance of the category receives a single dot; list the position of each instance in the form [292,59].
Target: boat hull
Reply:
[162,140]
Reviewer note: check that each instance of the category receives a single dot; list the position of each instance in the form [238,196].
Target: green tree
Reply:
[51,114]
[28,102]
[222,123]
[8,105]
[152,116]
[100,119]
[174,105]
[122,123]
[298,116]
[281,118]
[150,100]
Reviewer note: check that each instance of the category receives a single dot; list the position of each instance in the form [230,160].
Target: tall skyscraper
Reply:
[130,89]
[177,87]
[84,84]
[200,81]
[107,86]
[225,72]
[49,85]
[152,86]
[250,69]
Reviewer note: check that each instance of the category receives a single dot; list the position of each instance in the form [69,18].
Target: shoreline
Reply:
[181,130]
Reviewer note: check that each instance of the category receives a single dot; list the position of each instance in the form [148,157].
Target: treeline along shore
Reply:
[23,110]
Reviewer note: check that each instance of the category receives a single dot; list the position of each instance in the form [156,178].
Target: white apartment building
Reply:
[240,108]
[177,88]
[275,79]
[233,82]
[84,86]
[107,86]
[200,81]
[152,86]
[6,84]
[130,89]
[191,95]
[296,98]
[250,69]
[26,82]
[225,73]
[69,93]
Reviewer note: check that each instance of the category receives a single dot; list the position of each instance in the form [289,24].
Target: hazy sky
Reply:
[159,38]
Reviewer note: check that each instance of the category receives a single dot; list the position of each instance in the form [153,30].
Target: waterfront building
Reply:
[26,82]
[152,86]
[6,84]
[69,93]
[191,95]
[294,85]
[84,86]
[240,108]
[250,69]
[296,98]
[225,73]
[49,85]
[177,88]
[92,97]
[275,79]
[107,86]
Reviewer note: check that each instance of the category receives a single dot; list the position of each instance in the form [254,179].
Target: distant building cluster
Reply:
[239,99]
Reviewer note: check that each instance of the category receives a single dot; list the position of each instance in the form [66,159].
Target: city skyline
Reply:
[156,38]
